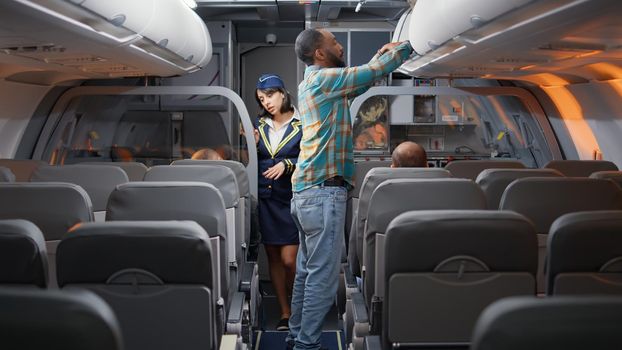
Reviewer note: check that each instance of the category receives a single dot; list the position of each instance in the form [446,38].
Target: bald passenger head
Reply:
[206,153]
[409,154]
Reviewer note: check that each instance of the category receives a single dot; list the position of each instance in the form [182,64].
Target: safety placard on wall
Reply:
[437,144]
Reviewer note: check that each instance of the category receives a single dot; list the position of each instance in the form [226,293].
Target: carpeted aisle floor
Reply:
[272,340]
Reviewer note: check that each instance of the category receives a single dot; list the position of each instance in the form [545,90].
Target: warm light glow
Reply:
[509,123]
[572,115]
[605,71]
[527,67]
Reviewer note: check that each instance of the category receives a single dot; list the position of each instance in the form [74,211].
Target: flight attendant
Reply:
[278,135]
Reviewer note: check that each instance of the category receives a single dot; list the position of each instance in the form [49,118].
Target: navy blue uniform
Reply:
[275,220]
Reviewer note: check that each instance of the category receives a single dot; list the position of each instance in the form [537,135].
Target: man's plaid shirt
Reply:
[326,146]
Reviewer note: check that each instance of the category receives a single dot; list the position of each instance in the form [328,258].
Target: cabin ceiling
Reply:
[300,10]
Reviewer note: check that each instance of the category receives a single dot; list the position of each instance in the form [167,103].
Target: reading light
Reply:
[359,5]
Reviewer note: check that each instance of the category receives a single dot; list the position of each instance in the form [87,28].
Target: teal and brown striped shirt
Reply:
[326,148]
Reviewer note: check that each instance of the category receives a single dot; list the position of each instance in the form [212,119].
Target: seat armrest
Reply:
[349,278]
[248,271]
[359,312]
[373,342]
[236,310]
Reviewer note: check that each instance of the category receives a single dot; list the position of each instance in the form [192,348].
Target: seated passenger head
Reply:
[272,96]
[206,153]
[226,152]
[409,154]
[319,47]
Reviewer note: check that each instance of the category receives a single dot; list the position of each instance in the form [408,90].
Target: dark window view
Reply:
[140,129]
[451,127]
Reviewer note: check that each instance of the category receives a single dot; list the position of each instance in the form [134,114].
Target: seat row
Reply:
[159,278]
[440,268]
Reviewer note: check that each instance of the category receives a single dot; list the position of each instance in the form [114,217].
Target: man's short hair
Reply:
[206,153]
[409,155]
[307,42]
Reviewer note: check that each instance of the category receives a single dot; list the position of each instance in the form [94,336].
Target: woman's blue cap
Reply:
[268,81]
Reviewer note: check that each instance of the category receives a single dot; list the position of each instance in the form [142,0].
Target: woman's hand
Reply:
[275,172]
[256,134]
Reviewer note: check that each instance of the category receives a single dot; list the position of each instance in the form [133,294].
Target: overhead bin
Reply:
[169,23]
[434,22]
[99,39]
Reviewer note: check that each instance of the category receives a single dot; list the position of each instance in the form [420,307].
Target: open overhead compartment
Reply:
[547,42]
[100,39]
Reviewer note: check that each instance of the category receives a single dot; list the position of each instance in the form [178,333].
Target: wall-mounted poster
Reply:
[371,125]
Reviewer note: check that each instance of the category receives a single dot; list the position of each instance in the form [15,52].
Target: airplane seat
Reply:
[22,168]
[135,171]
[249,270]
[220,177]
[51,319]
[584,254]
[6,175]
[391,198]
[22,248]
[470,169]
[158,277]
[543,200]
[580,168]
[170,200]
[97,181]
[373,178]
[443,267]
[494,181]
[560,323]
[615,176]
[52,207]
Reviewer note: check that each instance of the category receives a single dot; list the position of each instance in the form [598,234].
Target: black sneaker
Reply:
[283,325]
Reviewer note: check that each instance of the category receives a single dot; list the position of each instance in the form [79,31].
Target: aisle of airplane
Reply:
[111,237]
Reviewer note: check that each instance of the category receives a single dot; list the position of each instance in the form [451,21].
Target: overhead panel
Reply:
[343,10]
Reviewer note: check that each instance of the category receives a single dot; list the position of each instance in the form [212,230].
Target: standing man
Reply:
[324,171]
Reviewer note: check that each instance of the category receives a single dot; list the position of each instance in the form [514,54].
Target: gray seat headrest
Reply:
[559,323]
[417,241]
[545,199]
[97,181]
[220,176]
[615,176]
[396,196]
[583,242]
[470,169]
[6,175]
[53,319]
[494,181]
[135,171]
[176,252]
[22,168]
[580,168]
[361,169]
[53,207]
[238,169]
[376,176]
[169,200]
[22,248]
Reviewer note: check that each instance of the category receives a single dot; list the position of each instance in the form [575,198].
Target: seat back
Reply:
[241,175]
[373,179]
[53,207]
[584,254]
[50,319]
[393,197]
[470,169]
[196,201]
[97,181]
[220,177]
[443,267]
[543,200]
[22,168]
[135,171]
[494,181]
[560,323]
[155,275]
[580,168]
[615,176]
[360,172]
[6,175]
[23,257]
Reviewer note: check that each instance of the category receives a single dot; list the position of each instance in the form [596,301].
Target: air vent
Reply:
[33,51]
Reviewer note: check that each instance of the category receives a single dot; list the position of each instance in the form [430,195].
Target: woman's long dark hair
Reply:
[287,105]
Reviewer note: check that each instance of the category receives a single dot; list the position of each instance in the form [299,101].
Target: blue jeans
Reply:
[320,214]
